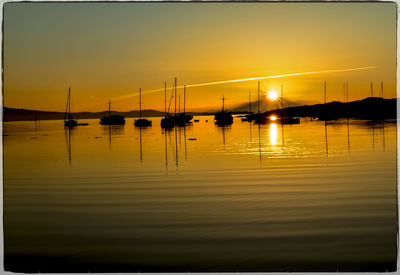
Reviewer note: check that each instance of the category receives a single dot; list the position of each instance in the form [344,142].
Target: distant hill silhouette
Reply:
[265,104]
[368,108]
[12,114]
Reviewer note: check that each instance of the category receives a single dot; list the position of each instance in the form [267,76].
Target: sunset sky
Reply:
[110,50]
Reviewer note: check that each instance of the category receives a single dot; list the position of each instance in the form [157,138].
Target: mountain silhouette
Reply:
[367,108]
[11,114]
[265,105]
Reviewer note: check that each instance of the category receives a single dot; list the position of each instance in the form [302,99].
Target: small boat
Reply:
[261,118]
[70,122]
[289,120]
[249,117]
[223,117]
[182,119]
[112,119]
[141,122]
[167,122]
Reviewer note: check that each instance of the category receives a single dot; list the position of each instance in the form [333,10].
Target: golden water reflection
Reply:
[273,134]
[182,198]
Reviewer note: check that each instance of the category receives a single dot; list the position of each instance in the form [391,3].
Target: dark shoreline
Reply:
[368,108]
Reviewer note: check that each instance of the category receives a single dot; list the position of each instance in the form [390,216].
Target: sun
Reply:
[272,95]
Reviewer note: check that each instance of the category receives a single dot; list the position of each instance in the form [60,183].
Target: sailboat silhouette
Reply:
[70,122]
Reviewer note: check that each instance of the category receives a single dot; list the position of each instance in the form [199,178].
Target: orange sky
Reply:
[110,50]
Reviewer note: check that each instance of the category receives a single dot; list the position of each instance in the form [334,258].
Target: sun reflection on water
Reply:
[273,134]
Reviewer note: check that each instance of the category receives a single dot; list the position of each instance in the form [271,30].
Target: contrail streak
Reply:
[239,80]
[246,79]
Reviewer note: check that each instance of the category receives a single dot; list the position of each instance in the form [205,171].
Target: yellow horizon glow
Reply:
[247,79]
[151,91]
[294,47]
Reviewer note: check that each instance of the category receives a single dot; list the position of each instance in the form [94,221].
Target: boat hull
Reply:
[142,123]
[112,120]
[71,123]
[223,118]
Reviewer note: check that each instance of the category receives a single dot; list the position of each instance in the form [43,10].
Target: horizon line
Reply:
[162,111]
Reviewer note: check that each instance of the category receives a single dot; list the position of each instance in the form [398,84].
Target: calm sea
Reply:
[307,197]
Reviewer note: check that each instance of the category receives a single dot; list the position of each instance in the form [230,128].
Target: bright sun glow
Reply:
[272,117]
[272,95]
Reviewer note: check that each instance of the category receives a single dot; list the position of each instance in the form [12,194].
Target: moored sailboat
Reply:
[141,122]
[168,121]
[182,119]
[112,119]
[223,117]
[70,122]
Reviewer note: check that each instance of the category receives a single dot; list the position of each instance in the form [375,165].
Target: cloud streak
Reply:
[247,79]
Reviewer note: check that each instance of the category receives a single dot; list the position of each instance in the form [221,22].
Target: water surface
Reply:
[307,197]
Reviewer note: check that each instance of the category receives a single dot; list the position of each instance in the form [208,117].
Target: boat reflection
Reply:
[178,141]
[348,135]
[166,150]
[225,129]
[68,141]
[111,130]
[142,130]
[326,139]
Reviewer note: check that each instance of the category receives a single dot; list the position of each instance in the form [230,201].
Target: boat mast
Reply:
[372,90]
[69,103]
[109,107]
[382,88]
[175,95]
[325,92]
[250,100]
[165,98]
[179,104]
[282,96]
[347,92]
[223,102]
[184,100]
[258,102]
[140,103]
[66,108]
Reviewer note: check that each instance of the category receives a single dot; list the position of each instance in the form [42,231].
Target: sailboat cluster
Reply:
[169,121]
[178,118]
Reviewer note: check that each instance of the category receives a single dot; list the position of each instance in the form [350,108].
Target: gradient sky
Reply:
[110,50]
